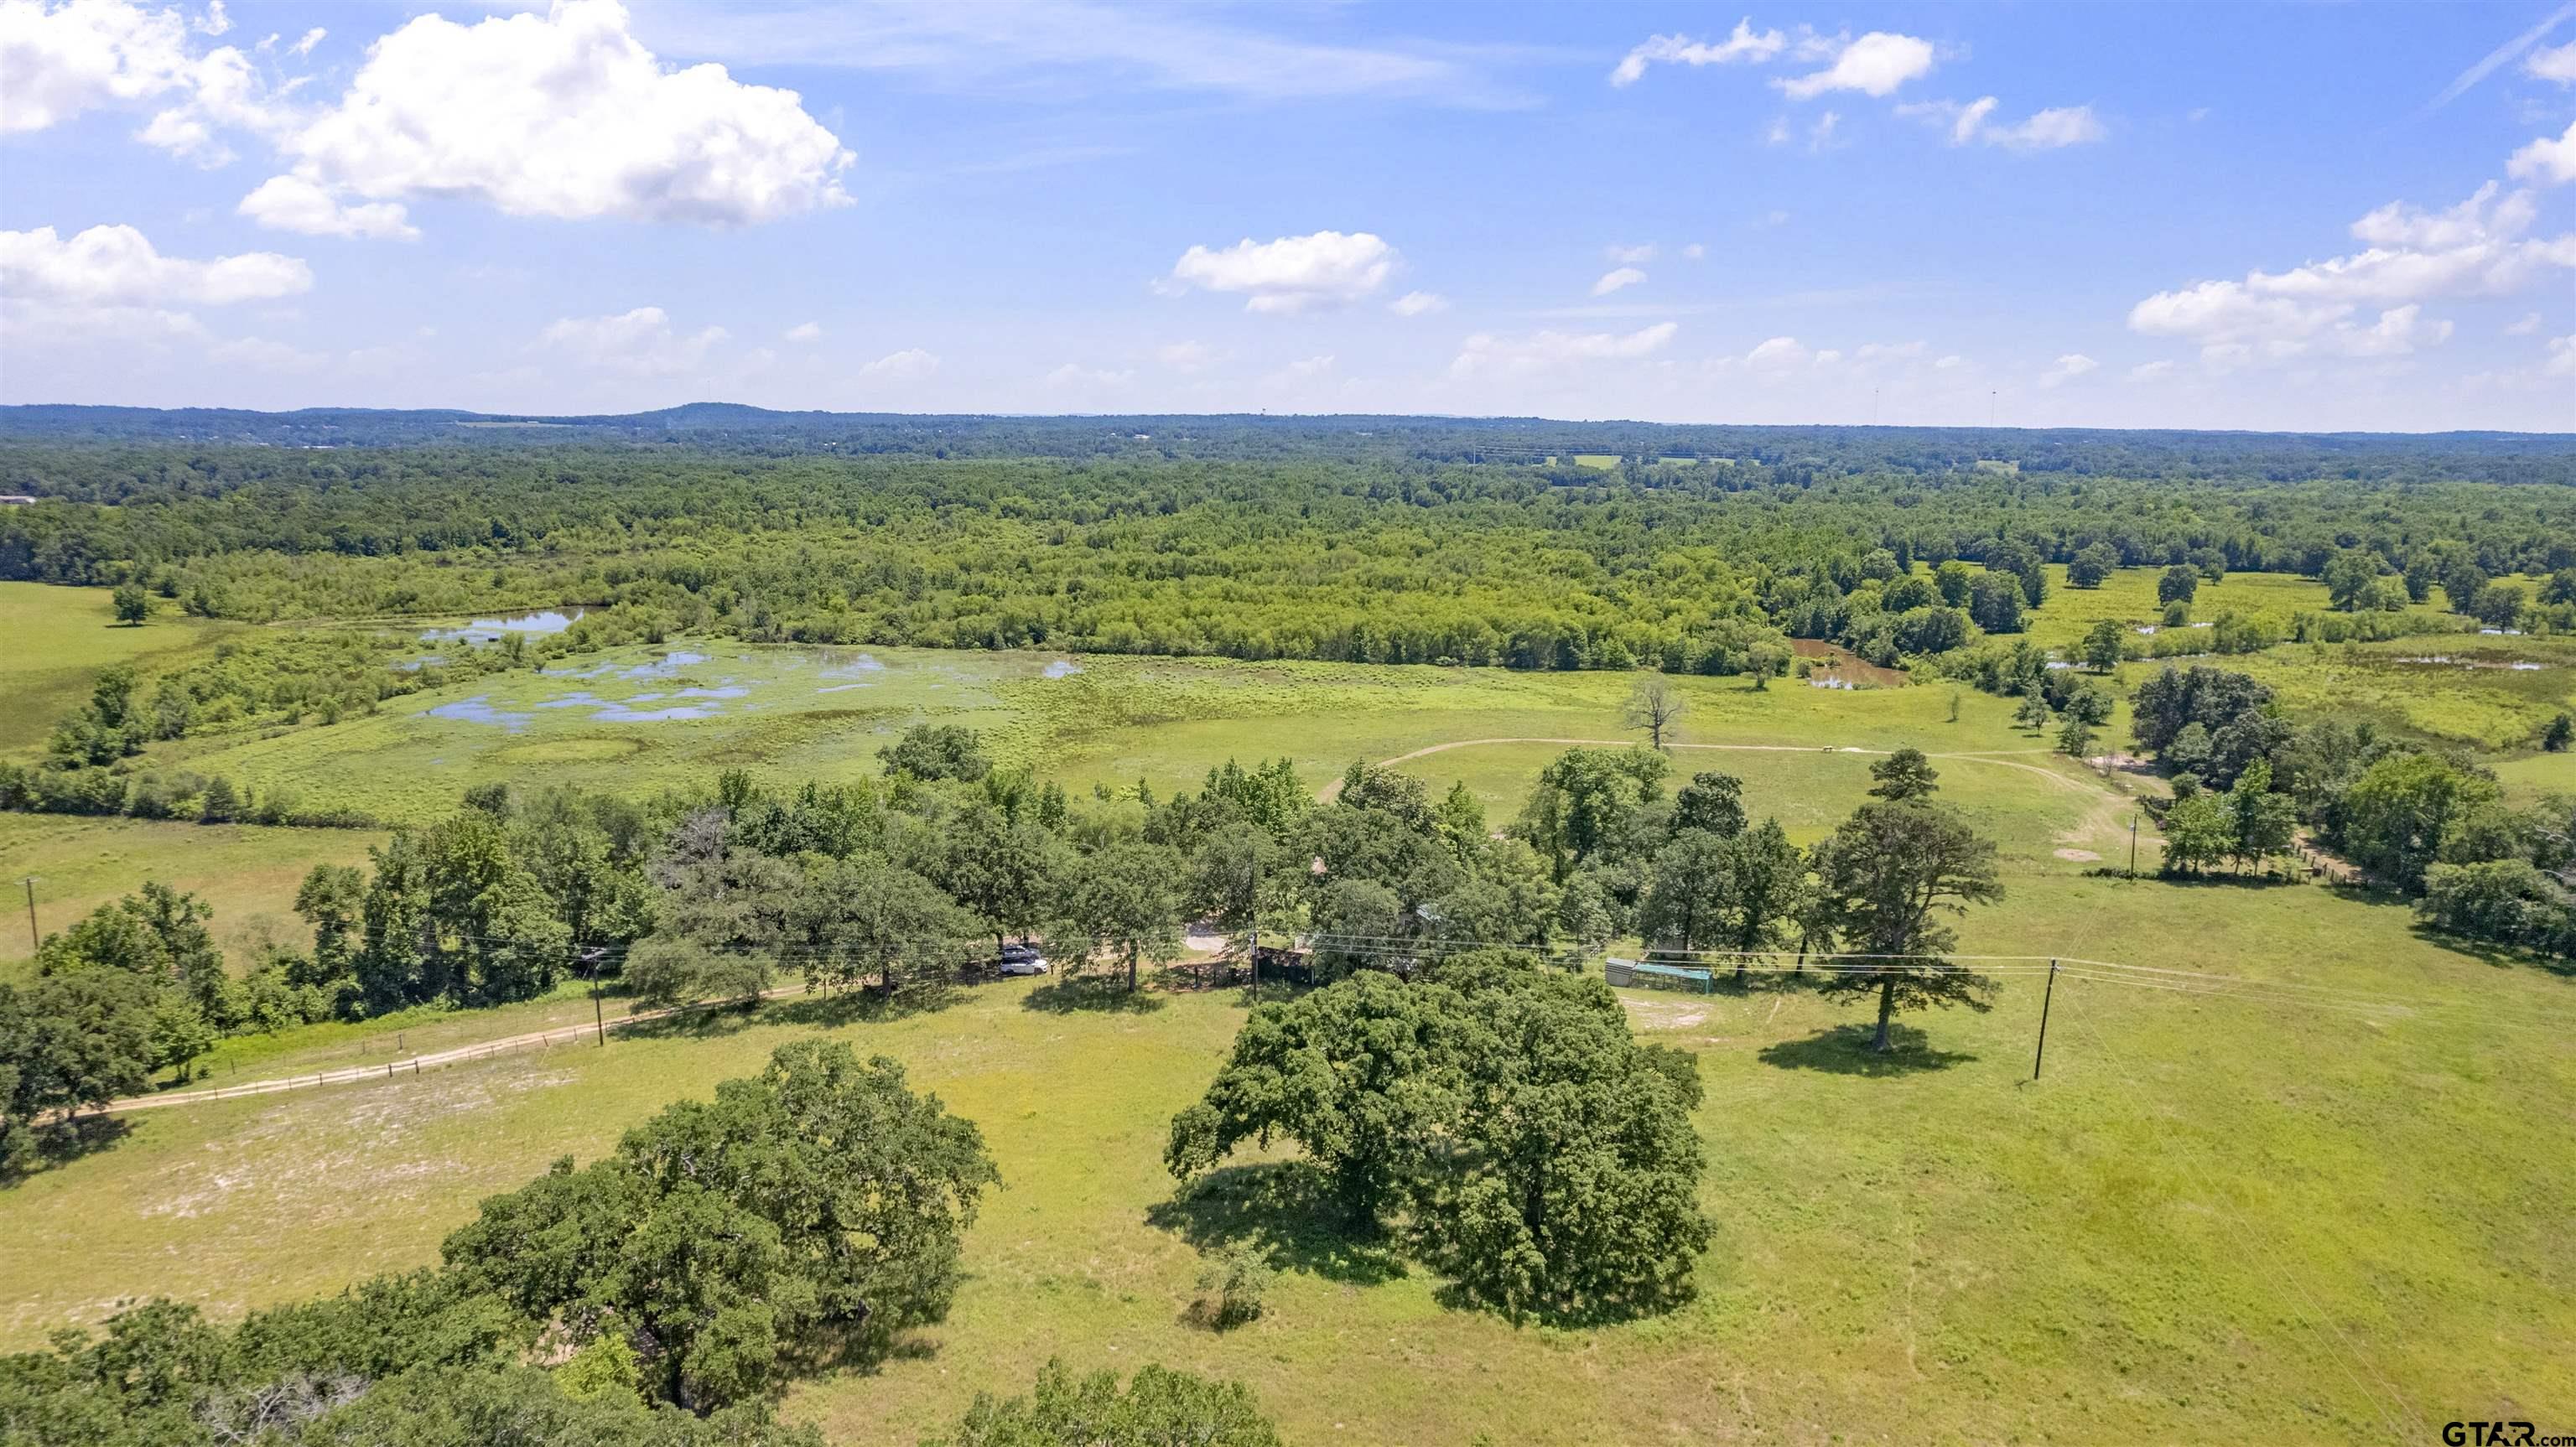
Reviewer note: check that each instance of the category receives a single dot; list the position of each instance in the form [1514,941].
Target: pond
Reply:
[493,630]
[1836,667]
[633,685]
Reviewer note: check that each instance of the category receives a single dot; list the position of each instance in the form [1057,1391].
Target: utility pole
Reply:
[33,941]
[1252,892]
[2133,844]
[598,1017]
[2044,1001]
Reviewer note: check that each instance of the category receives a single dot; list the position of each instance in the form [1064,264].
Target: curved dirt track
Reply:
[1332,790]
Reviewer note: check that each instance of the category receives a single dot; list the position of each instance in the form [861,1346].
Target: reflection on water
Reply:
[479,709]
[492,630]
[682,686]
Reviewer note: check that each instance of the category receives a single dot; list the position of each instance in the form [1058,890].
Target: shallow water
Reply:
[479,709]
[492,630]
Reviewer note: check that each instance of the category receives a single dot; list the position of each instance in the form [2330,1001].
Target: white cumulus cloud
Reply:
[118,266]
[2066,369]
[2475,249]
[1418,303]
[291,203]
[1611,281]
[1875,65]
[908,365]
[1292,273]
[59,60]
[804,332]
[2548,161]
[1630,255]
[567,115]
[1745,44]
[2553,62]
[641,342]
[1488,353]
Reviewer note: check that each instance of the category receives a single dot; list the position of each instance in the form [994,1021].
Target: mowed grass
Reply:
[55,641]
[2212,1220]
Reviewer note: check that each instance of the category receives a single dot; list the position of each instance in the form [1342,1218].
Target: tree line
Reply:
[1269,553]
[2431,823]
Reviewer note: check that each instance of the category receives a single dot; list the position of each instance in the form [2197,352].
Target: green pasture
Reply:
[788,714]
[54,641]
[248,872]
[2212,1220]
[2128,597]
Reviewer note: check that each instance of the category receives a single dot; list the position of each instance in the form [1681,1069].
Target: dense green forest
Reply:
[1411,541]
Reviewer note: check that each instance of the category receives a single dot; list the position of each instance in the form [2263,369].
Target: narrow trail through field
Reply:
[1998,757]
[415,1064]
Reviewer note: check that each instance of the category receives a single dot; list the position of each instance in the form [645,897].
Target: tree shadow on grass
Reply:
[59,1144]
[2498,956]
[1092,994]
[1283,1210]
[815,1011]
[1844,1050]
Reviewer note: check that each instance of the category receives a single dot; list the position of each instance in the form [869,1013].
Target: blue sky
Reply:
[2292,216]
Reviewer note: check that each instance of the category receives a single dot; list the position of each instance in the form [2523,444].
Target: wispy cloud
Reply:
[1071,47]
[2500,56]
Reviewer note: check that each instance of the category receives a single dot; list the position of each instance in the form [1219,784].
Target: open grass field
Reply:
[2221,1220]
[54,641]
[2128,597]
[642,719]
[2212,1220]
[248,872]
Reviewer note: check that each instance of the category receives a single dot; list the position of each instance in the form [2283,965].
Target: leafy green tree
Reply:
[2352,580]
[2092,565]
[2199,831]
[867,918]
[1570,1182]
[1125,899]
[1692,881]
[1584,800]
[1003,871]
[180,1034]
[2032,713]
[1891,870]
[1904,774]
[1995,603]
[68,1042]
[2260,823]
[1766,879]
[937,751]
[2178,584]
[2401,811]
[133,605]
[1361,1074]
[821,1196]
[1711,801]
[331,900]
[1955,580]
[2103,645]
[1158,1408]
[2560,732]
[2074,737]
[2497,605]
